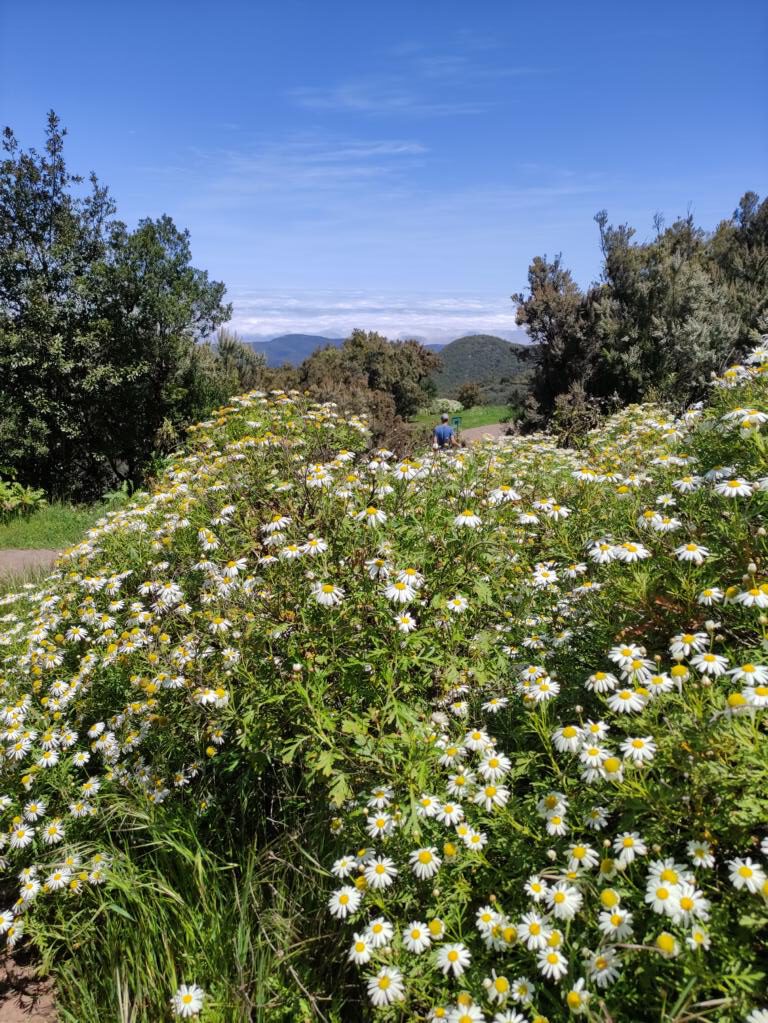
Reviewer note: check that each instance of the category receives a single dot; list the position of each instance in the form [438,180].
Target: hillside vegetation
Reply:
[293,348]
[319,734]
[496,365]
[665,315]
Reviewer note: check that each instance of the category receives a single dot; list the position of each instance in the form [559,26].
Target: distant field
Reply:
[479,415]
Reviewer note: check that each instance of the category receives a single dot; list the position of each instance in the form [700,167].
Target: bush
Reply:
[299,668]
[470,395]
[440,405]
[17,501]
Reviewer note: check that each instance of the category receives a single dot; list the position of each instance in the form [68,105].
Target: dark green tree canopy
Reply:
[663,317]
[399,369]
[99,327]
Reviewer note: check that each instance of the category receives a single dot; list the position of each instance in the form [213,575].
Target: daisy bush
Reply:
[502,710]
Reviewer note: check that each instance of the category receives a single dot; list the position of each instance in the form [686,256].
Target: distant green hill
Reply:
[491,362]
[293,348]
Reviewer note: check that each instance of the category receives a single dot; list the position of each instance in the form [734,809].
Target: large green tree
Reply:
[99,327]
[366,360]
[663,317]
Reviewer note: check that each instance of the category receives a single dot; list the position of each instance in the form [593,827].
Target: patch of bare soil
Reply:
[25,997]
[478,433]
[17,562]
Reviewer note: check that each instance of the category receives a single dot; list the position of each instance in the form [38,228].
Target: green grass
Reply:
[55,525]
[478,415]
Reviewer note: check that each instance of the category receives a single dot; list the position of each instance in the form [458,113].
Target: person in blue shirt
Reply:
[444,436]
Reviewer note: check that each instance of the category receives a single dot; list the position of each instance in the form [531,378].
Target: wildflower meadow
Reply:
[309,731]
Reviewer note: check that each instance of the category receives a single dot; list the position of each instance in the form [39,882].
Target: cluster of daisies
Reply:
[123,669]
[628,896]
[617,890]
[170,626]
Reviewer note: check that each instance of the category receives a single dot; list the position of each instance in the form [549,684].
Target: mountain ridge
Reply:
[296,347]
[497,366]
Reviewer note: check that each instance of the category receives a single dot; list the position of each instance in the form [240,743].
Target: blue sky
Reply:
[396,166]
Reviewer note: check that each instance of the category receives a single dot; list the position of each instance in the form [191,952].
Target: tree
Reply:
[665,314]
[469,394]
[98,327]
[553,314]
[387,380]
[243,368]
[401,369]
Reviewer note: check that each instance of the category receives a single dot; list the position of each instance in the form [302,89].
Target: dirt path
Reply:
[24,997]
[476,433]
[17,562]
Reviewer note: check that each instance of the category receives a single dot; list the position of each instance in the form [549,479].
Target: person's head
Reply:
[444,417]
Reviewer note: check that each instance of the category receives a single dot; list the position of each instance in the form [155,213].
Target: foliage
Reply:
[18,501]
[469,395]
[98,327]
[243,368]
[665,316]
[496,366]
[283,664]
[388,381]
[440,405]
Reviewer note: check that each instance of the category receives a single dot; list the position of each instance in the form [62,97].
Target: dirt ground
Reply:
[475,433]
[17,562]
[24,997]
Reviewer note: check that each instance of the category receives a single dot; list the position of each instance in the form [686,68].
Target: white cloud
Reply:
[433,318]
[382,97]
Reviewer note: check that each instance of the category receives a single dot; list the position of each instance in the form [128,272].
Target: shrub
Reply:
[440,405]
[470,395]
[263,689]
[18,501]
